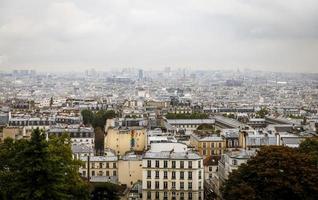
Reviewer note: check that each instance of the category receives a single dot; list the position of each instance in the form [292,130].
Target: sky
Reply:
[67,35]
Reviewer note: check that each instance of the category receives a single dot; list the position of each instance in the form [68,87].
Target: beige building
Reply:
[100,168]
[123,140]
[208,145]
[130,169]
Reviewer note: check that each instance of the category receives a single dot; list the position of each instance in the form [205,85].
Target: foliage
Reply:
[274,173]
[97,119]
[206,127]
[310,148]
[99,140]
[187,116]
[262,113]
[229,115]
[107,191]
[40,169]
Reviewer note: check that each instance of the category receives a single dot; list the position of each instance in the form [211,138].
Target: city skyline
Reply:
[210,35]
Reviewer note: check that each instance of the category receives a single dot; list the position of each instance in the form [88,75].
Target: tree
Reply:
[262,113]
[51,102]
[310,148]
[274,173]
[107,191]
[88,117]
[40,169]
[99,140]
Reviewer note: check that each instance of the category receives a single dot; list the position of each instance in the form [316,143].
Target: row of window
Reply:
[174,195]
[172,185]
[212,144]
[100,173]
[174,164]
[212,152]
[100,165]
[173,175]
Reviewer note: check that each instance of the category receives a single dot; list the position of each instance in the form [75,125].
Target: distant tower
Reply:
[140,74]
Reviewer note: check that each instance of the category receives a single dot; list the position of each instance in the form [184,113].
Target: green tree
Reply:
[106,191]
[40,169]
[310,148]
[101,116]
[274,173]
[262,113]
[99,140]
[88,117]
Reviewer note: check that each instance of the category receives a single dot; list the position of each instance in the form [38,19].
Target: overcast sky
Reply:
[276,35]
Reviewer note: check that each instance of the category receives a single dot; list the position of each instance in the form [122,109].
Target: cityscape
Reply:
[146,100]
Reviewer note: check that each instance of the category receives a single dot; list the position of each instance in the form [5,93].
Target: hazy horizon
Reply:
[266,35]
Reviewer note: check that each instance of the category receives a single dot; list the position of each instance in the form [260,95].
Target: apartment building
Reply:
[171,171]
[100,168]
[207,144]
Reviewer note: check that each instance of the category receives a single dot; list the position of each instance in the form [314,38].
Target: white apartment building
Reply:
[172,172]
[100,168]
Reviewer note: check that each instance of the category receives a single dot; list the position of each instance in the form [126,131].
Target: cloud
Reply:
[264,34]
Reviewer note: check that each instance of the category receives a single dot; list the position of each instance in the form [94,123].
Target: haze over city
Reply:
[64,35]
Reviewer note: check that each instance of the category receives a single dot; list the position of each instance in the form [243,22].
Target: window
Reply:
[182,164]
[210,169]
[157,174]
[165,195]
[173,175]
[100,165]
[220,144]
[107,173]
[181,175]
[204,152]
[148,174]
[165,164]
[114,165]
[212,145]
[114,173]
[190,164]
[190,175]
[165,174]
[204,145]
[234,162]
[93,173]
[157,163]
[181,195]
[107,165]
[199,174]
[149,184]
[149,163]
[148,195]
[165,185]
[200,187]
[173,164]
[181,185]
[84,173]
[190,186]
[157,195]
[157,184]
[199,163]
[173,185]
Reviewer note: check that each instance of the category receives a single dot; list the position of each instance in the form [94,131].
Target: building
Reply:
[100,168]
[130,169]
[256,139]
[189,124]
[123,140]
[171,171]
[207,144]
[79,135]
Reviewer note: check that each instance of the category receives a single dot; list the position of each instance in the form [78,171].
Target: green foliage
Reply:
[310,148]
[274,173]
[88,116]
[97,119]
[262,113]
[99,140]
[206,127]
[187,116]
[40,169]
[106,191]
